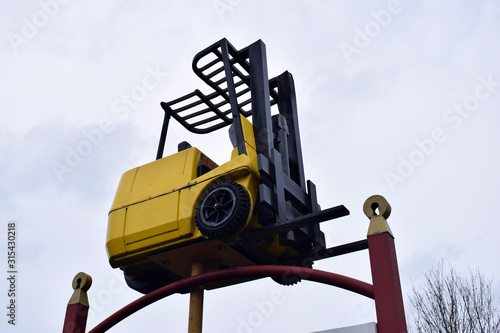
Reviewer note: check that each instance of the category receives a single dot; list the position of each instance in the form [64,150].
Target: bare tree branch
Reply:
[449,303]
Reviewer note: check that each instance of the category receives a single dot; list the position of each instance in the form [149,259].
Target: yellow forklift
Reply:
[255,209]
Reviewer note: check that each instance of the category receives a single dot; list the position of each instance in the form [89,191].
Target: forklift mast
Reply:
[241,87]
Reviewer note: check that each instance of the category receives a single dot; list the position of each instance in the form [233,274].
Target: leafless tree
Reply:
[449,303]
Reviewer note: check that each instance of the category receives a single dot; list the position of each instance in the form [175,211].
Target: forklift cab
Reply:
[183,206]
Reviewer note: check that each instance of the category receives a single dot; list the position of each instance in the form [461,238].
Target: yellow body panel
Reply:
[158,216]
[153,179]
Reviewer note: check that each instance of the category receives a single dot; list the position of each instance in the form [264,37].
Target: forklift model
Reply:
[255,209]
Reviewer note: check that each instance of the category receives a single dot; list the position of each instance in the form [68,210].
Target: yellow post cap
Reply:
[81,283]
[377,209]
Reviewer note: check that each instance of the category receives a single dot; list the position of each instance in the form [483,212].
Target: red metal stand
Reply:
[76,318]
[386,284]
[333,279]
[384,266]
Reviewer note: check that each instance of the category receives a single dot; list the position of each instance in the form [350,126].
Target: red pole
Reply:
[384,266]
[78,305]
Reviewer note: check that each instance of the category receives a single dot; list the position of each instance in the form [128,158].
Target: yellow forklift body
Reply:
[154,206]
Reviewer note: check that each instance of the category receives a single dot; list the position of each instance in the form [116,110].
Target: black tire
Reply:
[223,210]
[290,280]
[149,283]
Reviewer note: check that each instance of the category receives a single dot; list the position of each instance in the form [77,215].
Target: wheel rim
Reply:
[218,206]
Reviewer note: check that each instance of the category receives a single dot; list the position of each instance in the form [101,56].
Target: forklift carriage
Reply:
[255,209]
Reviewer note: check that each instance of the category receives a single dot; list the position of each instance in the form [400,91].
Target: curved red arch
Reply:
[329,278]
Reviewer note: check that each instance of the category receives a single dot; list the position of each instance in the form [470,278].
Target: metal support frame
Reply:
[261,106]
[231,90]
[196,299]
[163,135]
[386,284]
[255,272]
[287,105]
[299,222]
[384,267]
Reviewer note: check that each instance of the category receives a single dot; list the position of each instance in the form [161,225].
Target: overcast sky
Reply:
[395,98]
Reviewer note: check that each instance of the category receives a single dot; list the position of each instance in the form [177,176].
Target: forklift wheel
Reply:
[289,280]
[223,210]
[149,283]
